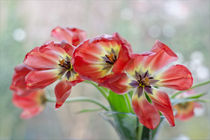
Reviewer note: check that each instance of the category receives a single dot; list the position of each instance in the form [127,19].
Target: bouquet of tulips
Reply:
[131,83]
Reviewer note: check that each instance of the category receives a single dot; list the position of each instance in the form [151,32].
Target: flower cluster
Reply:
[109,61]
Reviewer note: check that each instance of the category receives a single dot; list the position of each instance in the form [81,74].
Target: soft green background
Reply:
[183,25]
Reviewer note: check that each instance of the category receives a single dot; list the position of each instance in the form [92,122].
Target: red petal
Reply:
[40,61]
[41,79]
[146,112]
[32,104]
[117,83]
[62,92]
[163,56]
[29,113]
[176,77]
[18,80]
[67,47]
[185,116]
[78,35]
[136,63]
[86,69]
[162,102]
[74,36]
[62,34]
[25,102]
[124,54]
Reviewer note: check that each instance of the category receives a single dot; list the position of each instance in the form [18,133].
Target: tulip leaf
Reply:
[184,100]
[196,96]
[120,103]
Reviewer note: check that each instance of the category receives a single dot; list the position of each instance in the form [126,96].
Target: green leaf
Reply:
[120,103]
[196,96]
[184,100]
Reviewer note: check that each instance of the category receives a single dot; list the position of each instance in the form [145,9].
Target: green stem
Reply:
[139,130]
[128,101]
[99,89]
[195,86]
[81,99]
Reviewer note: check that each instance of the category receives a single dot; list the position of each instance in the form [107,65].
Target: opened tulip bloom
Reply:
[73,36]
[98,58]
[52,61]
[185,111]
[32,103]
[143,74]
[18,84]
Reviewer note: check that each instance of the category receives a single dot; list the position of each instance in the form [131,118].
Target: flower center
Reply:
[184,105]
[66,67]
[110,59]
[143,82]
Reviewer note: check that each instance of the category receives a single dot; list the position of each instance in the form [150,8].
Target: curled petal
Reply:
[62,34]
[177,77]
[67,47]
[147,113]
[45,57]
[117,83]
[41,79]
[62,92]
[73,36]
[162,102]
[18,80]
[163,55]
[40,61]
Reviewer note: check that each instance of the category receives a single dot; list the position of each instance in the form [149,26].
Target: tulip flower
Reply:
[143,73]
[32,103]
[185,111]
[52,61]
[18,84]
[98,58]
[73,36]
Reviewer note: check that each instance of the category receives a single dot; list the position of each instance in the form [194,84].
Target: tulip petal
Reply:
[163,55]
[177,77]
[62,92]
[32,104]
[118,83]
[41,79]
[147,113]
[62,34]
[29,113]
[40,61]
[162,102]
[73,36]
[136,62]
[18,80]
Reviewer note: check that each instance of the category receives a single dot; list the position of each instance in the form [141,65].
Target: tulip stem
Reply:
[81,99]
[98,87]
[195,86]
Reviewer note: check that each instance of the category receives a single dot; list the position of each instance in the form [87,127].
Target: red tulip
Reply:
[142,73]
[98,58]
[32,103]
[73,36]
[52,61]
[185,111]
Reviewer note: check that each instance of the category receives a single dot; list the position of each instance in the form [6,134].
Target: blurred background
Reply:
[184,25]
